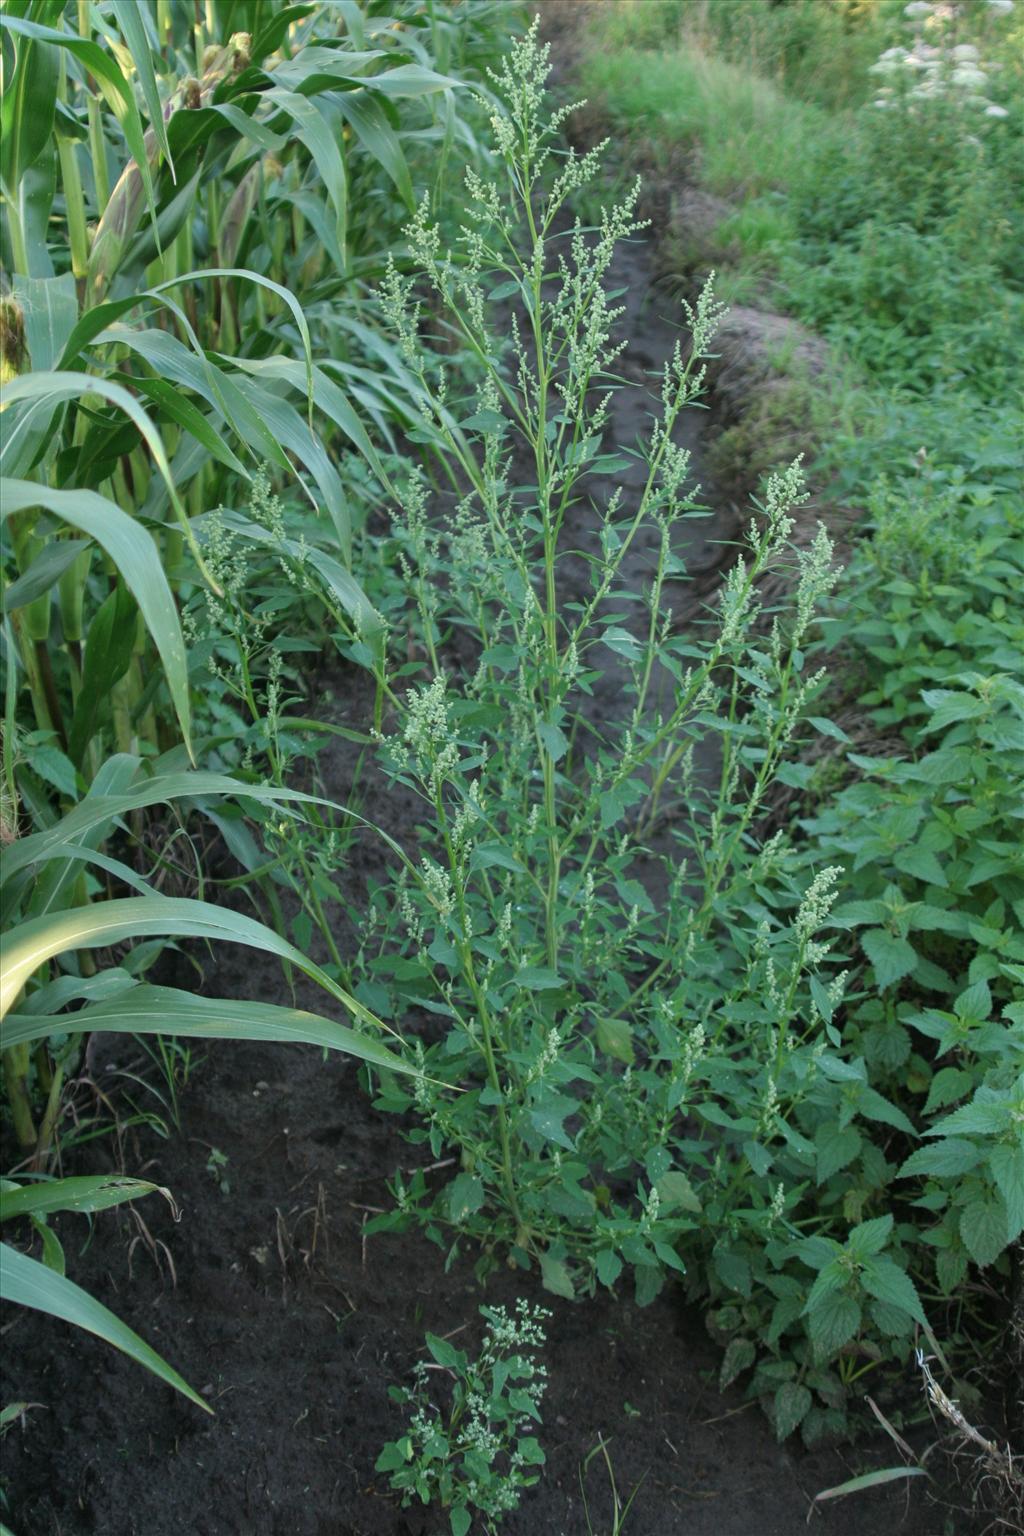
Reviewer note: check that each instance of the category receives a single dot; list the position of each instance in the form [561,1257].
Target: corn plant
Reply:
[183,203]
[41,927]
[186,215]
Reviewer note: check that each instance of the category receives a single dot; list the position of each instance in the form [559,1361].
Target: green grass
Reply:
[751,137]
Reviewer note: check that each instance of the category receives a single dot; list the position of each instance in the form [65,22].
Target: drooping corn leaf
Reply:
[28,1283]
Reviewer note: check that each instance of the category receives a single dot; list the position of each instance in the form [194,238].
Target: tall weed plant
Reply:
[641,1045]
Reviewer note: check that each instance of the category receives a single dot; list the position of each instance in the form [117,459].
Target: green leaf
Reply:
[608,1266]
[920,863]
[832,1323]
[151,1010]
[892,958]
[44,572]
[538,978]
[44,392]
[459,1519]
[108,654]
[946,1159]
[366,118]
[92,1192]
[827,728]
[395,1455]
[615,1039]
[27,1283]
[465,1196]
[870,1237]
[887,1282]
[948,1085]
[137,917]
[554,740]
[108,77]
[835,1149]
[1006,1161]
[52,766]
[984,1230]
[50,309]
[556,1277]
[27,108]
[323,144]
[739,1356]
[869,1480]
[677,1193]
[975,1002]
[442,1351]
[949,705]
[128,16]
[790,1407]
[136,556]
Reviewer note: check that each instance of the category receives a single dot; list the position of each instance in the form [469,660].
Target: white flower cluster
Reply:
[936,67]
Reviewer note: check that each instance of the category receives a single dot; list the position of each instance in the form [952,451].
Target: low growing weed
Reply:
[480,1454]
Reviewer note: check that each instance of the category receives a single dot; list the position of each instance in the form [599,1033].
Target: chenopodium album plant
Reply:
[602,948]
[478,1456]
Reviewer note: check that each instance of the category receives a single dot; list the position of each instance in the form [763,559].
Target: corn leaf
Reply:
[136,556]
[152,1010]
[28,1283]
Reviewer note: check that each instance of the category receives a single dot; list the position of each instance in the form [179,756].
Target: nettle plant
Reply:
[619,977]
[478,1454]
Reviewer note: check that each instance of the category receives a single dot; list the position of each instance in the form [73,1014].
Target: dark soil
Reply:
[293,1327]
[269,1298]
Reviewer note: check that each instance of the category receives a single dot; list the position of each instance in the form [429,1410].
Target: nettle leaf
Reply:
[975,1002]
[1006,1161]
[732,1269]
[950,765]
[888,1283]
[835,1149]
[921,864]
[946,1159]
[984,1229]
[870,1237]
[875,1106]
[948,1085]
[949,705]
[739,1356]
[987,1115]
[790,1408]
[832,1323]
[892,958]
[950,1268]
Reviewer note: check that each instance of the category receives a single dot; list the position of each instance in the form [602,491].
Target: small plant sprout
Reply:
[619,1510]
[475,1454]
